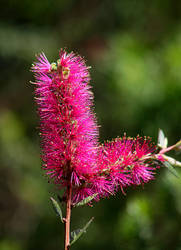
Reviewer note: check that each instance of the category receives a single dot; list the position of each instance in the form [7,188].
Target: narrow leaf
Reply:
[178,146]
[57,208]
[171,169]
[76,234]
[86,200]
[172,161]
[162,140]
[165,144]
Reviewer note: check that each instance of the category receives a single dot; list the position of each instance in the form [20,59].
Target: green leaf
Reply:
[172,161]
[85,201]
[162,140]
[76,234]
[171,169]
[178,146]
[57,208]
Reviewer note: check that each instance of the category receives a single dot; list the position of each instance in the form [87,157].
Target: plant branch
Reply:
[68,215]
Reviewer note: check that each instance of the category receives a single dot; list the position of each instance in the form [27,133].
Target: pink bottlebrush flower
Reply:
[122,162]
[68,126]
[69,132]
[127,161]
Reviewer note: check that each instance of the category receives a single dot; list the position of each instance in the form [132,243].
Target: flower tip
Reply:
[42,66]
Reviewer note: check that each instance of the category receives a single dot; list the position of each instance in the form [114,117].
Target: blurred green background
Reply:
[134,48]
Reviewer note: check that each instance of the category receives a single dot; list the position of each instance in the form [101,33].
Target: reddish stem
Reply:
[67,220]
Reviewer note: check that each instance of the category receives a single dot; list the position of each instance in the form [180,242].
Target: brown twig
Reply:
[67,220]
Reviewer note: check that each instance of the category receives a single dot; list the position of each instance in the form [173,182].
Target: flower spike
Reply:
[68,125]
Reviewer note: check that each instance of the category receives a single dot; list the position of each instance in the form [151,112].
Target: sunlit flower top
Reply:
[68,126]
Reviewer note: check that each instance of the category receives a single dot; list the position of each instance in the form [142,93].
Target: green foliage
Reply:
[76,234]
[57,208]
[171,168]
[85,201]
[162,140]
